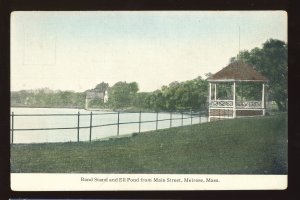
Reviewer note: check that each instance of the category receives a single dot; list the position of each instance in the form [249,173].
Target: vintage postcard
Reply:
[148,100]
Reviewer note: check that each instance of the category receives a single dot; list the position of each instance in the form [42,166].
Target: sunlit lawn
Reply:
[238,146]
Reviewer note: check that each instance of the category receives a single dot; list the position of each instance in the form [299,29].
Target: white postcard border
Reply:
[137,182]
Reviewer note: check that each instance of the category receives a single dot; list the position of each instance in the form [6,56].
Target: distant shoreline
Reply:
[70,107]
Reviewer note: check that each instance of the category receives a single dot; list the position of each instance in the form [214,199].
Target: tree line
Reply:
[45,97]
[270,60]
[191,94]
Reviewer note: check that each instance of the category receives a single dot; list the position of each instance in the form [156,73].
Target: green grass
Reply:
[238,146]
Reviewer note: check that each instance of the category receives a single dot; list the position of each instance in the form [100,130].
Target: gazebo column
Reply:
[215,91]
[233,109]
[209,101]
[263,100]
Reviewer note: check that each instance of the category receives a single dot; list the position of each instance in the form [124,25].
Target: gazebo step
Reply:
[249,113]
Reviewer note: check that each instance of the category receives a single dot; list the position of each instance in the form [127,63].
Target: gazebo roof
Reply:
[238,71]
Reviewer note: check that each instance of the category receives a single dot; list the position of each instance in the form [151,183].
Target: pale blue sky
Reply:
[77,50]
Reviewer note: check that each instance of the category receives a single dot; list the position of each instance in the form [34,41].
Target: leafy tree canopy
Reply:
[102,87]
[271,61]
[122,94]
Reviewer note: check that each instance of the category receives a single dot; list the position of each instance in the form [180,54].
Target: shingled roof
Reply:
[238,71]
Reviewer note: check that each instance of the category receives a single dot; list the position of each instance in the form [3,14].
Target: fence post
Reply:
[156,120]
[181,118]
[140,117]
[12,127]
[78,124]
[118,126]
[91,123]
[171,119]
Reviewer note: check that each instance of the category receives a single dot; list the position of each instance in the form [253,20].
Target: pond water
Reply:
[98,118]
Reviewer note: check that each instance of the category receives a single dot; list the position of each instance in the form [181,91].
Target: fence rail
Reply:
[184,116]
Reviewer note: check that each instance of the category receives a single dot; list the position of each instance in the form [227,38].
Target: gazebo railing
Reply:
[221,103]
[248,104]
[238,104]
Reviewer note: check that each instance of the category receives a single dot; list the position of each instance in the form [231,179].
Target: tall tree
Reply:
[271,61]
[122,94]
[142,100]
[102,87]
[157,101]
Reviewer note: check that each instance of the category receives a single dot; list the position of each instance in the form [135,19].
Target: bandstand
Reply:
[230,102]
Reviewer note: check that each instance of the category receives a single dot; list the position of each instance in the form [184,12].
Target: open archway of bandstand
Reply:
[227,89]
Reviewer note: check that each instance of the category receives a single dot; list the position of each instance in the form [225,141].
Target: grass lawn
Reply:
[237,146]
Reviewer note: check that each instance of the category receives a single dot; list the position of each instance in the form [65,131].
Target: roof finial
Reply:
[239,44]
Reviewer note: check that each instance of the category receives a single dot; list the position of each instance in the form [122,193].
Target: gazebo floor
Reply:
[223,113]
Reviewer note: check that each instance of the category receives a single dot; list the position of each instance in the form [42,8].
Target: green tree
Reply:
[102,87]
[157,101]
[122,94]
[271,61]
[191,94]
[142,100]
